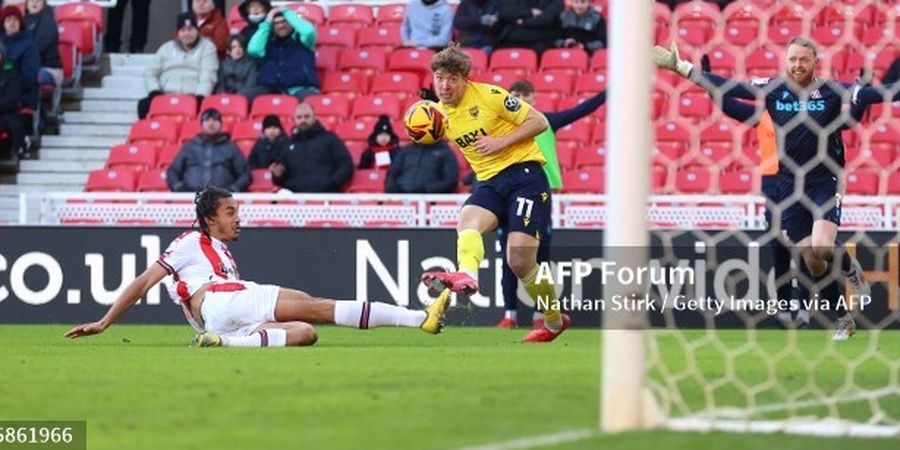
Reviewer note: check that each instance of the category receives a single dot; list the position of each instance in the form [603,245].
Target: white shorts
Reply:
[238,308]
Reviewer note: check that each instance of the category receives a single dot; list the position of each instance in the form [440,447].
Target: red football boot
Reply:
[459,282]
[508,323]
[545,334]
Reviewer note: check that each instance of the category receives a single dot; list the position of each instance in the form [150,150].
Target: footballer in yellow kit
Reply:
[495,132]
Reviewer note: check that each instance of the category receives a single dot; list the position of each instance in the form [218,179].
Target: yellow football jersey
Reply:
[487,110]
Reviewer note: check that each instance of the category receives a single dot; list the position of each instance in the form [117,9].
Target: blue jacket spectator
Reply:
[286,45]
[428,23]
[22,52]
[476,21]
[423,169]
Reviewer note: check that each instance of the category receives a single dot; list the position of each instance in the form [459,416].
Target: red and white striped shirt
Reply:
[194,259]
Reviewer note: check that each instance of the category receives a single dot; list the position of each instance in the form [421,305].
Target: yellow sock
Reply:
[544,295]
[469,252]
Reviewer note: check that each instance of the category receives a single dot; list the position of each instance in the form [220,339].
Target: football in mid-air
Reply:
[424,122]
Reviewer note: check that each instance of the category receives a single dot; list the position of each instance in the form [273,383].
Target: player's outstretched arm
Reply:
[534,124]
[668,58]
[135,290]
[562,118]
[869,95]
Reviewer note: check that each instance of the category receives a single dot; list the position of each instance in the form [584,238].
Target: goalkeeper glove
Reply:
[667,58]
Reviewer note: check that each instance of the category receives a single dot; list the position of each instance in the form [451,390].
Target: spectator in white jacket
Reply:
[428,23]
[185,65]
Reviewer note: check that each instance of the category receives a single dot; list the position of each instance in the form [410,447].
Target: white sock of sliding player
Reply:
[364,315]
[269,337]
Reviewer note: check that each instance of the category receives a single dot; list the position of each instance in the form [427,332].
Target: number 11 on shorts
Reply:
[524,206]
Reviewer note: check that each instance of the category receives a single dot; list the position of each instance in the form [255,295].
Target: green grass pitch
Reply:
[141,387]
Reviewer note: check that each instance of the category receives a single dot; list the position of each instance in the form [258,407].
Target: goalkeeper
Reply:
[802,165]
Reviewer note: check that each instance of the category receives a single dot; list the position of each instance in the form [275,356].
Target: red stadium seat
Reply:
[368,61]
[261,181]
[341,36]
[386,37]
[695,34]
[232,106]
[695,107]
[174,107]
[711,154]
[565,155]
[188,131]
[348,84]
[167,155]
[277,104]
[600,60]
[479,58]
[357,15]
[82,11]
[575,134]
[589,180]
[564,60]
[830,35]
[741,33]
[502,78]
[590,156]
[390,13]
[659,179]
[590,83]
[246,132]
[521,60]
[736,182]
[376,105]
[744,12]
[695,22]
[236,22]
[356,130]
[110,180]
[153,132]
[861,182]
[763,62]
[327,59]
[131,157]
[723,61]
[693,180]
[367,180]
[414,60]
[84,35]
[555,85]
[674,133]
[309,11]
[335,106]
[893,184]
[403,85]
[152,181]
[71,63]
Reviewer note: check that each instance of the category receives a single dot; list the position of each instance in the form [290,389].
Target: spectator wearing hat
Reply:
[212,24]
[422,169]
[265,151]
[10,119]
[285,44]
[22,52]
[140,19]
[210,158]
[313,159]
[184,65]
[382,143]
[237,72]
[253,12]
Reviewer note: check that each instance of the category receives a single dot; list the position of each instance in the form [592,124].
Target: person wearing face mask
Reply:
[428,23]
[253,12]
[313,159]
[184,65]
[140,19]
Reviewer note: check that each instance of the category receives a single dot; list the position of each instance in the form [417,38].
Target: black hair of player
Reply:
[206,202]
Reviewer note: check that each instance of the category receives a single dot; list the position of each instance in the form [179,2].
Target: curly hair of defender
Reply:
[206,201]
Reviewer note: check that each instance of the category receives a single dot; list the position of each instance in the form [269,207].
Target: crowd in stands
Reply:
[314,76]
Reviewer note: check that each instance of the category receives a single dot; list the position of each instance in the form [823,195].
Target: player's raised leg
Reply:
[474,221]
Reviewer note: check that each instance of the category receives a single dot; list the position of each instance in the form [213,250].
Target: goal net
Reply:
[729,350]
